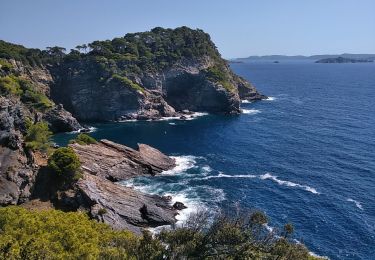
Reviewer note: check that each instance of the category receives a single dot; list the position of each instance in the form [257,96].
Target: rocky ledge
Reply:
[105,163]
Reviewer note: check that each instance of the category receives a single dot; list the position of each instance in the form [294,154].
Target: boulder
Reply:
[179,205]
[60,120]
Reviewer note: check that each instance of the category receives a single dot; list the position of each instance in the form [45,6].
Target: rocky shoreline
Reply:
[105,163]
[113,82]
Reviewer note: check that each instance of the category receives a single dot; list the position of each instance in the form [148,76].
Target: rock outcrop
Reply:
[18,170]
[60,120]
[247,91]
[122,207]
[97,192]
[116,162]
[147,76]
[17,175]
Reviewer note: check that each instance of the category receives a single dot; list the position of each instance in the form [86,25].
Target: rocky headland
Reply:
[150,75]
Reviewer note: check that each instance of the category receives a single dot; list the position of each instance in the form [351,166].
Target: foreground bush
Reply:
[54,234]
[238,237]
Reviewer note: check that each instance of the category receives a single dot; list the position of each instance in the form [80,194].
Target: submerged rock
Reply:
[179,205]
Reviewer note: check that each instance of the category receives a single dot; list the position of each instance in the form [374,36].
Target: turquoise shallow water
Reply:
[305,156]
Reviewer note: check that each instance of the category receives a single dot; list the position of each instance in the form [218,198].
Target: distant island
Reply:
[313,58]
[343,60]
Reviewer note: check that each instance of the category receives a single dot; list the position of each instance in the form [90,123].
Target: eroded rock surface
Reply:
[123,207]
[117,162]
[104,163]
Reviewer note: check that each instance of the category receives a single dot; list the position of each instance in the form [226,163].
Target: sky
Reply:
[239,28]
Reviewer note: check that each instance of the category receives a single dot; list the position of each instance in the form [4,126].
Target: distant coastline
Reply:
[313,58]
[344,60]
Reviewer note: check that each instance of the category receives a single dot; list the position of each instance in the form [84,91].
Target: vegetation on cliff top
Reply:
[54,234]
[133,54]
[155,49]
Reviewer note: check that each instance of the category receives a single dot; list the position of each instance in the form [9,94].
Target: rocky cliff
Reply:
[149,75]
[146,75]
[24,100]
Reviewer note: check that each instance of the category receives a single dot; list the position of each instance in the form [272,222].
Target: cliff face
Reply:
[146,75]
[24,91]
[149,75]
[28,87]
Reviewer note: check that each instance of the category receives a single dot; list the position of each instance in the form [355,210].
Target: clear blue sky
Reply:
[238,27]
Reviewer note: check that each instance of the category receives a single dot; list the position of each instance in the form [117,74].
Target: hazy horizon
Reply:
[255,28]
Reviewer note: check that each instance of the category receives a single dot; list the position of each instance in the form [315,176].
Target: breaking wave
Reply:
[268,176]
[357,203]
[264,177]
[250,111]
[89,129]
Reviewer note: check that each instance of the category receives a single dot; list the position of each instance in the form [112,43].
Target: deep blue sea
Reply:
[306,155]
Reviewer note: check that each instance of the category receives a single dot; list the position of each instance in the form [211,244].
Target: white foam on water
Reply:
[270,99]
[183,163]
[245,101]
[287,183]
[222,175]
[166,118]
[172,123]
[192,116]
[91,129]
[128,120]
[357,203]
[195,115]
[250,111]
[318,256]
[269,228]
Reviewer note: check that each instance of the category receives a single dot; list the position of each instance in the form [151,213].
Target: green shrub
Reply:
[53,234]
[237,237]
[36,100]
[38,137]
[217,74]
[26,91]
[65,163]
[83,139]
[127,83]
[10,85]
[5,65]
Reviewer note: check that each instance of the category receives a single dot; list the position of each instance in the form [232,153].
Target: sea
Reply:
[305,155]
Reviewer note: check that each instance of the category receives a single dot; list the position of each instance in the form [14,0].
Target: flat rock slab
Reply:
[117,162]
[123,207]
[106,162]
